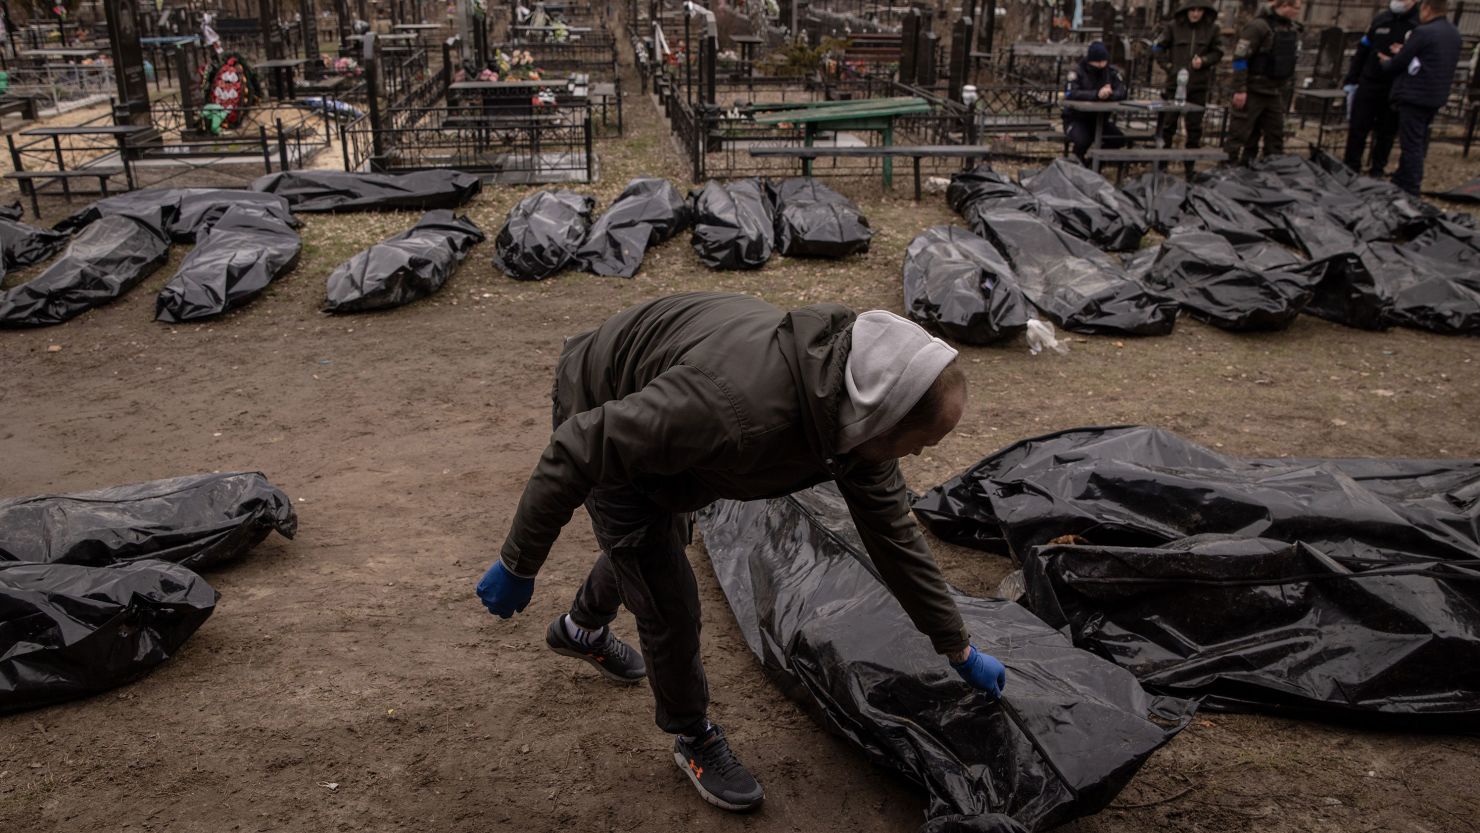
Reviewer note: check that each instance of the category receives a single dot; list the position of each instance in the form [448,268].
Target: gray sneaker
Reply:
[611,656]
[717,774]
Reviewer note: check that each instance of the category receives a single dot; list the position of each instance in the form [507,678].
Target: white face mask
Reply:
[1398,7]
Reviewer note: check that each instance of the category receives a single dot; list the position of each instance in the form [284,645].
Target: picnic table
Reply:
[121,133]
[1104,109]
[1325,96]
[283,70]
[873,114]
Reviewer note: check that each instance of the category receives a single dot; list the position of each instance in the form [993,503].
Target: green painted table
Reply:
[873,114]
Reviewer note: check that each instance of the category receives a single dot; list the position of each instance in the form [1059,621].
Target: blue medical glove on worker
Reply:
[502,592]
[983,671]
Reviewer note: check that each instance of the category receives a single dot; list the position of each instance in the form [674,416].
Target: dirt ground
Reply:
[350,680]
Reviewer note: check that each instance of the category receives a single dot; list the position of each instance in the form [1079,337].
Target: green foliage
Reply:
[797,58]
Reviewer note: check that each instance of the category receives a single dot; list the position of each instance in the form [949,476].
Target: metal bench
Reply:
[27,181]
[1156,157]
[913,152]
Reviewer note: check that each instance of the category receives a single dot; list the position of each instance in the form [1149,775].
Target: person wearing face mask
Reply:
[1368,87]
[1263,81]
[1423,73]
[690,398]
[1190,41]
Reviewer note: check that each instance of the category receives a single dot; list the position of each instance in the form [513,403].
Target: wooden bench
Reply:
[914,152]
[24,105]
[27,181]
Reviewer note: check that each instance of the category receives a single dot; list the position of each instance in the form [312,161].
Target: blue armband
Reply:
[1366,41]
[1156,47]
[1240,65]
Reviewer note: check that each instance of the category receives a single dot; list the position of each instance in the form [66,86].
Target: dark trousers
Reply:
[1192,121]
[1413,141]
[643,566]
[1081,134]
[1372,114]
[1263,117]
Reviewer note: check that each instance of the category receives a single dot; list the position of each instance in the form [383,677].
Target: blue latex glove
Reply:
[983,671]
[1351,96]
[502,592]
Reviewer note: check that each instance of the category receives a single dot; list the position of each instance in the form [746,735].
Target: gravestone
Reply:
[314,69]
[960,56]
[128,63]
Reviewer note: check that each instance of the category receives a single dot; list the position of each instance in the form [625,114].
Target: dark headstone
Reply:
[128,62]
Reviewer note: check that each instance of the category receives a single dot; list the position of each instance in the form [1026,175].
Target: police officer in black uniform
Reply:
[1368,86]
[1094,79]
[1263,81]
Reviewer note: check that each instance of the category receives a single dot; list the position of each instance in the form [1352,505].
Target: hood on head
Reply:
[1210,11]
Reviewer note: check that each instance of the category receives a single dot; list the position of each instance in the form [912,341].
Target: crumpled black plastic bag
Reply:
[1076,285]
[22,244]
[1069,733]
[14,211]
[1213,281]
[648,211]
[411,265]
[1135,486]
[1451,239]
[813,220]
[1088,206]
[315,191]
[960,286]
[1256,624]
[989,189]
[542,235]
[198,521]
[734,224]
[1159,196]
[107,259]
[1379,285]
[236,256]
[67,631]
[186,211]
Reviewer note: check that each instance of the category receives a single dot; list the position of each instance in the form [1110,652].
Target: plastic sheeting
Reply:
[1077,286]
[1144,487]
[1259,624]
[813,220]
[408,266]
[107,259]
[959,285]
[1088,206]
[67,631]
[734,224]
[14,211]
[1382,284]
[22,245]
[198,521]
[542,235]
[648,211]
[989,189]
[1069,733]
[235,257]
[1214,281]
[186,211]
[316,191]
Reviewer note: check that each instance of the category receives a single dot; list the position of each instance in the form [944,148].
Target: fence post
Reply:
[344,145]
[266,151]
[590,152]
[371,62]
[282,142]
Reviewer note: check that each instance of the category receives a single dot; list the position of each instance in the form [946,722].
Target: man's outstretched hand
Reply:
[502,592]
[982,671]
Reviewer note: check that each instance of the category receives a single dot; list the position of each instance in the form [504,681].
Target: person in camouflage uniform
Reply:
[1263,81]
